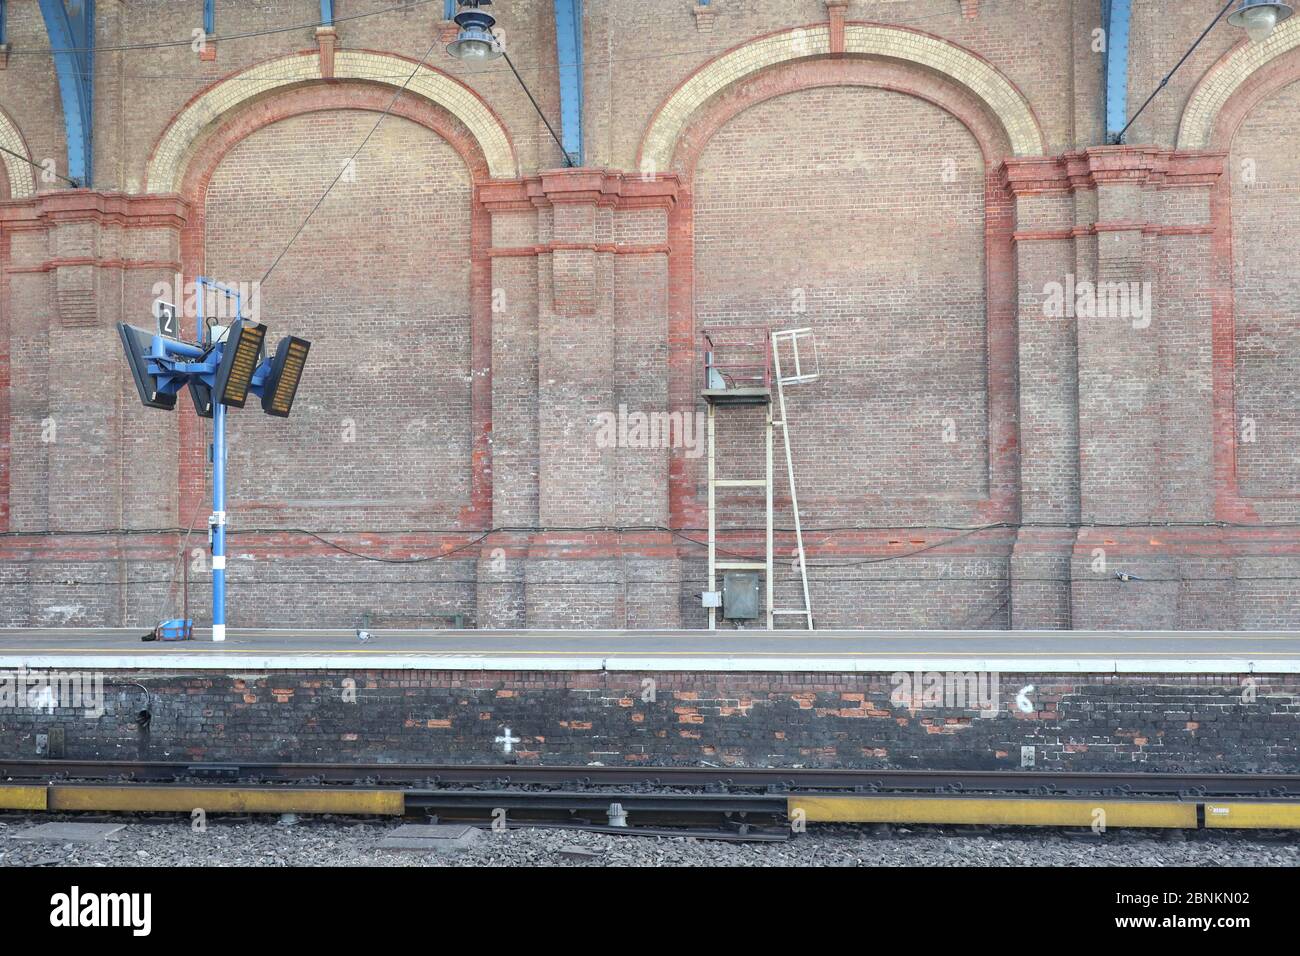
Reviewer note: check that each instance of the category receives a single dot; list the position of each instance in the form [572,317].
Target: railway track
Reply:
[734,801]
[1040,783]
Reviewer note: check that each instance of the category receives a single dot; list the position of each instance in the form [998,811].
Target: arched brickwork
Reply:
[1269,76]
[922,51]
[299,101]
[19,177]
[1237,74]
[172,155]
[994,146]
[5,193]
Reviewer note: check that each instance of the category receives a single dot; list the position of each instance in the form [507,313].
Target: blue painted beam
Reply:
[71,28]
[210,17]
[3,12]
[568,48]
[449,9]
[1117,14]
[327,12]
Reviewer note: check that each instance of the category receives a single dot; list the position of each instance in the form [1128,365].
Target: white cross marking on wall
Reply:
[508,741]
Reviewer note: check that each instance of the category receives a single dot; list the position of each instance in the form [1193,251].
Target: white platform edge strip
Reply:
[239,662]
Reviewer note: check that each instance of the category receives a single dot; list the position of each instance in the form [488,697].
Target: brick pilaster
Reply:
[1049,482]
[580,289]
[327,41]
[93,458]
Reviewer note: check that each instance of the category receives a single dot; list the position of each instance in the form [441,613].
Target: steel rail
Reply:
[729,778]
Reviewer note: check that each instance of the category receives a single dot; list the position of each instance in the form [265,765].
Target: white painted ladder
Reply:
[798,376]
[789,338]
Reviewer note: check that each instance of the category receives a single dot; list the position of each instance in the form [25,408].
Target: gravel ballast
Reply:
[342,844]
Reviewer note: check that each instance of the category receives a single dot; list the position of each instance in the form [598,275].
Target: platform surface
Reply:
[1094,652]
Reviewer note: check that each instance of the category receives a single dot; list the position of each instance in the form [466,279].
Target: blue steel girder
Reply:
[327,12]
[71,28]
[568,49]
[1117,14]
[209,17]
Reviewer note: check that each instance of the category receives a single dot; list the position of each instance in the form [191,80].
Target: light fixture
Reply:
[201,395]
[475,42]
[286,372]
[138,344]
[1259,17]
[222,369]
[239,358]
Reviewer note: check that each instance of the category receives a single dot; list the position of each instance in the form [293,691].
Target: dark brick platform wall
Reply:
[1080,722]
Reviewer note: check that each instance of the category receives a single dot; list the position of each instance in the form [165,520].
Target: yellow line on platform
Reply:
[988,811]
[598,635]
[1252,816]
[22,798]
[633,652]
[147,799]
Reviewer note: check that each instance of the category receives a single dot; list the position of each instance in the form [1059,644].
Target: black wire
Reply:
[928,547]
[626,529]
[405,7]
[164,44]
[1001,580]
[812,566]
[370,557]
[1119,139]
[75,184]
[568,160]
[344,168]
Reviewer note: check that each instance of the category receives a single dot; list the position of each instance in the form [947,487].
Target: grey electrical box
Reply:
[711,599]
[740,596]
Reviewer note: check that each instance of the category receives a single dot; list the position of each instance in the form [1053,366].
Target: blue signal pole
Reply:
[217,372]
[217,522]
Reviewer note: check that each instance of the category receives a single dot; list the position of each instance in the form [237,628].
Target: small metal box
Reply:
[740,596]
[711,599]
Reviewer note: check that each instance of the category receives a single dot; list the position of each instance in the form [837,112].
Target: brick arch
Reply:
[809,74]
[1267,78]
[19,180]
[5,193]
[1238,73]
[213,148]
[176,147]
[920,51]
[995,145]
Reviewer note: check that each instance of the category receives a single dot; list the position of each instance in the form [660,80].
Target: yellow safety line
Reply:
[1007,811]
[19,797]
[157,799]
[594,635]
[820,808]
[1241,815]
[634,652]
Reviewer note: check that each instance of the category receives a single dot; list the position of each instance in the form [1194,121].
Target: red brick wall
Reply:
[381,429]
[833,208]
[1265,167]
[473,330]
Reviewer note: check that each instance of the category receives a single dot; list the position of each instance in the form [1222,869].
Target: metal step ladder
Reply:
[746,384]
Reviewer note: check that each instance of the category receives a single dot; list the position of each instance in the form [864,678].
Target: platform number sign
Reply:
[169,324]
